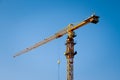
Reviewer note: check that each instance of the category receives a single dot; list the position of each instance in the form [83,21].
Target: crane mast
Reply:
[70,54]
[69,43]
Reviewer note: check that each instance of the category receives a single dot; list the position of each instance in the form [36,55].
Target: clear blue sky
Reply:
[25,22]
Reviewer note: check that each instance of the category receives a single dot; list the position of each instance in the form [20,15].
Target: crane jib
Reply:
[92,19]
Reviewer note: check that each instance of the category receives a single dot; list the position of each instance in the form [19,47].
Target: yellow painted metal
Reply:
[92,19]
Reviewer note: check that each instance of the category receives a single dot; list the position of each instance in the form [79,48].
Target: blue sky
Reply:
[25,22]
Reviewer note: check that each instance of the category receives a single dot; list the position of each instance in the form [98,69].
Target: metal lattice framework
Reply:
[69,43]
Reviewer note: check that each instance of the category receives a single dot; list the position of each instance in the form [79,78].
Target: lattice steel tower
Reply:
[70,54]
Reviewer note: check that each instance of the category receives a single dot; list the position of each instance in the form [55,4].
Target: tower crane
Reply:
[69,42]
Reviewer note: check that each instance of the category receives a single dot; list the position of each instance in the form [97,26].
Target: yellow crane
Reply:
[69,42]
